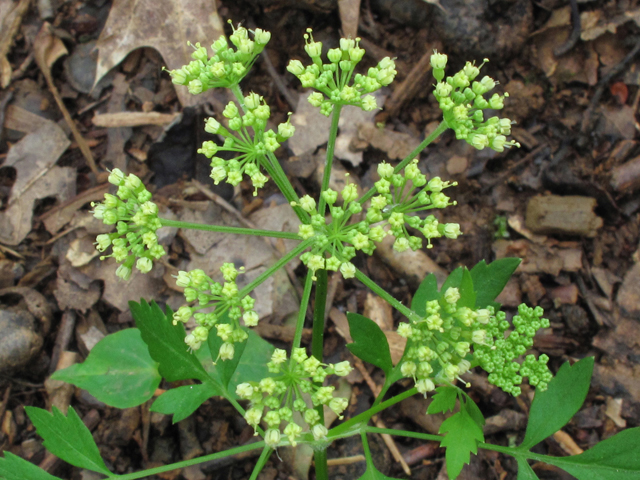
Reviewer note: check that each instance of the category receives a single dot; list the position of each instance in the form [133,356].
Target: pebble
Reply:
[20,341]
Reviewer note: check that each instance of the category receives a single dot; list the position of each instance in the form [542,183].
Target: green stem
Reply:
[331,146]
[302,313]
[381,292]
[320,302]
[405,433]
[237,92]
[188,463]
[435,134]
[225,229]
[320,460]
[317,346]
[283,183]
[365,416]
[275,267]
[262,461]
[367,450]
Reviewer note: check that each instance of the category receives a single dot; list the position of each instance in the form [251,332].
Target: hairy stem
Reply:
[381,292]
[405,433]
[302,313]
[225,229]
[262,461]
[435,134]
[365,416]
[188,463]
[275,267]
[331,146]
[317,346]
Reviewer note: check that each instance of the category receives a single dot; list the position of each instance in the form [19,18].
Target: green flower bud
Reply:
[295,67]
[272,438]
[261,37]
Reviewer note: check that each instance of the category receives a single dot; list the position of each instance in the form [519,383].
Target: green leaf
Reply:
[461,440]
[553,408]
[472,409]
[373,473]
[166,343]
[443,400]
[119,370]
[183,401]
[428,290]
[369,342]
[525,472]
[490,280]
[67,438]
[461,279]
[253,363]
[615,458]
[225,368]
[13,467]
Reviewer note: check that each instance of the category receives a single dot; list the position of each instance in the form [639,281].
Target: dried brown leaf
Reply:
[37,177]
[165,25]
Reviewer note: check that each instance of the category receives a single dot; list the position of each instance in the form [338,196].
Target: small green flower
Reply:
[275,398]
[227,66]
[461,100]
[214,300]
[136,219]
[335,82]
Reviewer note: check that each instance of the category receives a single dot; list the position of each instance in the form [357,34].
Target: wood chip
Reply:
[133,119]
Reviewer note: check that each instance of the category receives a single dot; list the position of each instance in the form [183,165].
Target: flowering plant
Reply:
[449,330]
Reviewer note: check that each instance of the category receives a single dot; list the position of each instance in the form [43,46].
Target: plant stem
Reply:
[405,433]
[365,416]
[367,450]
[237,92]
[320,461]
[317,346]
[381,292]
[302,313]
[188,463]
[331,146]
[283,183]
[264,456]
[320,301]
[435,134]
[225,229]
[275,267]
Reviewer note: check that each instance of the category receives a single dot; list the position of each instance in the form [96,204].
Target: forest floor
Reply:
[567,202]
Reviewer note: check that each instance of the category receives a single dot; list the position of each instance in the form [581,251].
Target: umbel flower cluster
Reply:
[287,399]
[400,197]
[212,300]
[335,82]
[462,102]
[136,219]
[251,149]
[227,66]
[451,339]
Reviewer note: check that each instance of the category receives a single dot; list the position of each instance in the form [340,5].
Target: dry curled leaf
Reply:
[37,177]
[165,25]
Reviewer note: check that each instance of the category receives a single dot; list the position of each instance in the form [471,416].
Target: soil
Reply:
[576,117]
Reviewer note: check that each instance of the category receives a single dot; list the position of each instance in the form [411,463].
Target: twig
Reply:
[63,338]
[575,32]
[277,79]
[526,159]
[45,44]
[388,439]
[604,81]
